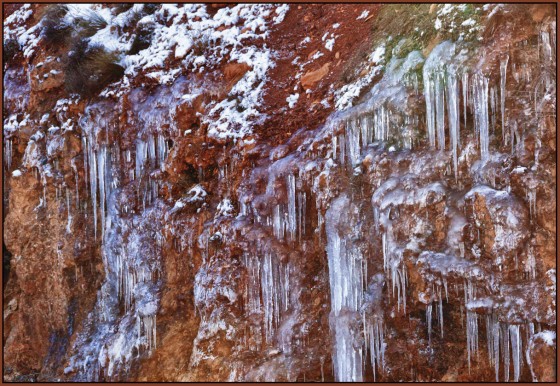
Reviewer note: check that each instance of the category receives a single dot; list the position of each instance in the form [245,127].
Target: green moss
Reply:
[411,27]
[412,22]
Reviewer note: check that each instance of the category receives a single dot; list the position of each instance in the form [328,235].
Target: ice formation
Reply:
[405,222]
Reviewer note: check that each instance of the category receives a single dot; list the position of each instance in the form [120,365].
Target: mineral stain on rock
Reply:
[279,192]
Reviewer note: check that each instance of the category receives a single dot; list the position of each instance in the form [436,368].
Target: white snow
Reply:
[549,337]
[225,208]
[363,15]
[292,100]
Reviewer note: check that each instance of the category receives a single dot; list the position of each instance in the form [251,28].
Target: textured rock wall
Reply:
[281,193]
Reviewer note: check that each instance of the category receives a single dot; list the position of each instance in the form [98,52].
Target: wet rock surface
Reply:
[307,192]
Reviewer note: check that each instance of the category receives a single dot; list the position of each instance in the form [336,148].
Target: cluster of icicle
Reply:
[452,89]
[130,276]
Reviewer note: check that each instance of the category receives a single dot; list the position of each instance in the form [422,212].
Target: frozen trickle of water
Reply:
[302,201]
[505,350]
[375,340]
[429,322]
[439,93]
[465,87]
[141,155]
[453,115]
[392,262]
[381,124]
[346,283]
[531,264]
[148,325]
[278,222]
[498,337]
[472,323]
[69,222]
[515,351]
[103,173]
[152,156]
[162,151]
[503,73]
[496,346]
[480,106]
[440,313]
[292,210]
[532,200]
[493,107]
[353,137]
[92,158]
[472,335]
[429,96]
[547,43]
[253,295]
[275,288]
[342,149]
[8,154]
[434,91]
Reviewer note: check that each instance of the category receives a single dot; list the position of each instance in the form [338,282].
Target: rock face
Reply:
[280,193]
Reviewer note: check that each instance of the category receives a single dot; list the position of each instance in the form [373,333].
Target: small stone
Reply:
[311,78]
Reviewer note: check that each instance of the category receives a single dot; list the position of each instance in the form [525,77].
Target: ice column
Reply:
[346,284]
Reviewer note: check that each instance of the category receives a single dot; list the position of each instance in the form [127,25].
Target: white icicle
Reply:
[292,213]
[440,108]
[429,96]
[480,105]
[503,73]
[69,223]
[93,185]
[453,114]
[515,350]
[429,322]
[345,278]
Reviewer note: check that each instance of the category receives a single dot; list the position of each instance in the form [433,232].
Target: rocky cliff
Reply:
[279,192]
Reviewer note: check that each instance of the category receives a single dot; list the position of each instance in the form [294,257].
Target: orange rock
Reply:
[311,78]
[235,71]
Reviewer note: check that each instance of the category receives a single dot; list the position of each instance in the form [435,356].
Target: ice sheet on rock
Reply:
[508,216]
[434,265]
[346,280]
[122,326]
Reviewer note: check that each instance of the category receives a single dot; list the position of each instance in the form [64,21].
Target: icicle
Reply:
[353,138]
[141,155]
[101,169]
[465,85]
[93,185]
[429,322]
[472,335]
[373,335]
[493,107]
[453,115]
[480,105]
[429,96]
[162,151]
[503,73]
[505,350]
[345,278]
[8,153]
[515,351]
[69,223]
[440,312]
[496,346]
[292,217]
[278,222]
[440,109]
